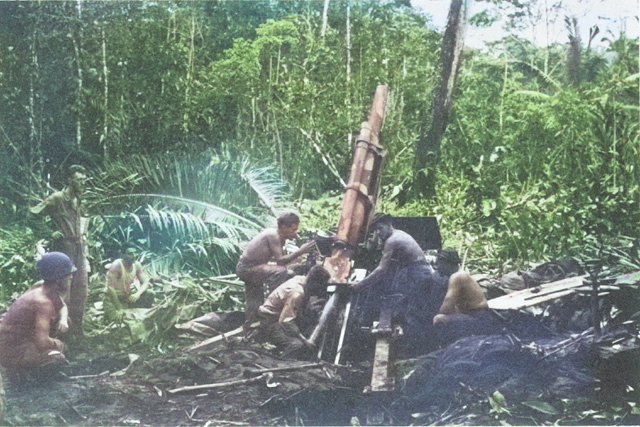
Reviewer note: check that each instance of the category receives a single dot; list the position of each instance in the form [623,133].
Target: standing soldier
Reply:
[64,208]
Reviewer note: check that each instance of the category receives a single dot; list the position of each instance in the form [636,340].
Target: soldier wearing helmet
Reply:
[25,342]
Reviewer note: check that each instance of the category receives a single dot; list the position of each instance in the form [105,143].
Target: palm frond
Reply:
[545,76]
[181,223]
[189,212]
[209,213]
[266,184]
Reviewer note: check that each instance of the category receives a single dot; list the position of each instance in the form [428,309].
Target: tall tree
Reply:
[428,145]
[574,52]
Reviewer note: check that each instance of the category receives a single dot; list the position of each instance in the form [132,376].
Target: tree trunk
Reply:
[105,104]
[348,67]
[325,12]
[77,46]
[428,145]
[190,66]
[36,161]
[575,51]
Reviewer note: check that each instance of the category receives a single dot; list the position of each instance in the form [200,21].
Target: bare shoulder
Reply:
[38,299]
[460,275]
[462,279]
[271,234]
[116,266]
[398,239]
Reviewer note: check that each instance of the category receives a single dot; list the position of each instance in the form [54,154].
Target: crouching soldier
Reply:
[279,312]
[25,343]
[464,311]
[127,286]
[464,295]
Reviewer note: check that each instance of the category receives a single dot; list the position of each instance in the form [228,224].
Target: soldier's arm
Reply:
[63,323]
[286,259]
[385,261]
[40,208]
[44,312]
[451,298]
[113,275]
[290,312]
[144,284]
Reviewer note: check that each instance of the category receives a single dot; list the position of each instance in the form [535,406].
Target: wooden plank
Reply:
[380,378]
[218,385]
[224,336]
[250,372]
[532,296]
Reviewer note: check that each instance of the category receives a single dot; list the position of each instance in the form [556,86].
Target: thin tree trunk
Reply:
[325,12]
[36,161]
[77,46]
[575,51]
[428,146]
[190,64]
[503,92]
[348,42]
[105,76]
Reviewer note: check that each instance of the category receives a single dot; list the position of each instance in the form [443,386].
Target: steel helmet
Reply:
[55,266]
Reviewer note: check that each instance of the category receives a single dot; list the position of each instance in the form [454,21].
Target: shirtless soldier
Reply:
[403,271]
[24,330]
[399,250]
[263,260]
[464,295]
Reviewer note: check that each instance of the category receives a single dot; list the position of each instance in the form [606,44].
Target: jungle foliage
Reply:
[199,120]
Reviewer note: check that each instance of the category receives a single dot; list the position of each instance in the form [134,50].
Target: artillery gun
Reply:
[348,249]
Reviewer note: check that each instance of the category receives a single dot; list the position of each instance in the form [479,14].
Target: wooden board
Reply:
[380,378]
[224,336]
[532,296]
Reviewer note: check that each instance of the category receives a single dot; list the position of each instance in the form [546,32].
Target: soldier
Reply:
[403,271]
[263,260]
[281,309]
[64,208]
[24,330]
[464,295]
[126,283]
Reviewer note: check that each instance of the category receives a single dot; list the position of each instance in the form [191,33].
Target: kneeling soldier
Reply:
[24,330]
[279,312]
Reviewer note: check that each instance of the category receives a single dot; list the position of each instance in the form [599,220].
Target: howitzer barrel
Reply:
[362,190]
[358,202]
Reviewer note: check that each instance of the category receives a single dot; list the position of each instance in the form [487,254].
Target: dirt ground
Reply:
[98,388]
[103,387]
[109,383]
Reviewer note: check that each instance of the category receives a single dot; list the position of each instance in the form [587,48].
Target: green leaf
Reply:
[498,403]
[543,407]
